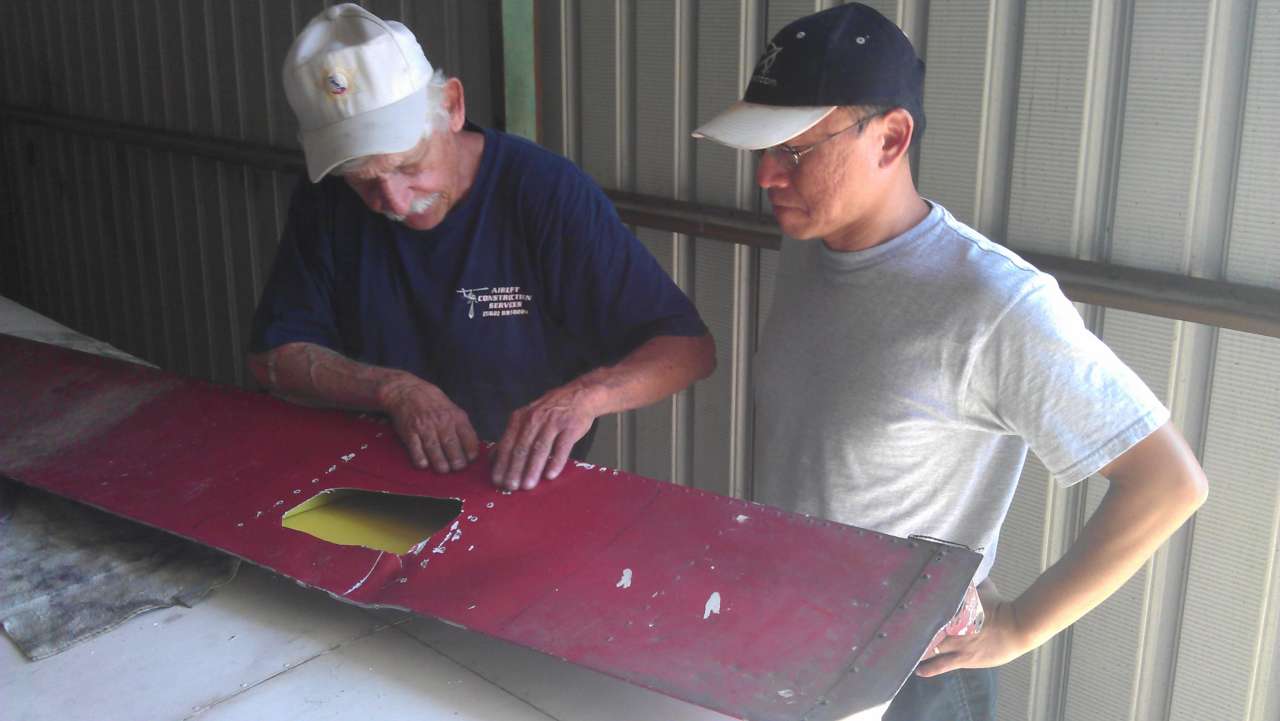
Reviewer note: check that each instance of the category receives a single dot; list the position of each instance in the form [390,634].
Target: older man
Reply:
[909,363]
[465,282]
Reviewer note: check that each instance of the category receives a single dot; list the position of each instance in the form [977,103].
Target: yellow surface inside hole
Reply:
[383,521]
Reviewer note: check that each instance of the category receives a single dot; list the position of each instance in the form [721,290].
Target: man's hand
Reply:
[436,432]
[997,642]
[540,436]
[433,429]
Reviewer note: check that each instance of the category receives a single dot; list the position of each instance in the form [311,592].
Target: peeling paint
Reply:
[740,518]
[347,458]
[489,504]
[786,693]
[331,469]
[713,605]
[625,581]
[367,575]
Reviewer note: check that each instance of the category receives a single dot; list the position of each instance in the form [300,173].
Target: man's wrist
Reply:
[590,396]
[393,386]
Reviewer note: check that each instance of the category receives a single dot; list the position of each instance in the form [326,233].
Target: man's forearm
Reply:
[1151,494]
[658,368]
[314,375]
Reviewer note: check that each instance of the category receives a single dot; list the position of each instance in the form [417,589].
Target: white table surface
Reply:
[262,647]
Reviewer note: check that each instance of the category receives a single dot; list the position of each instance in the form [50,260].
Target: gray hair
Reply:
[437,119]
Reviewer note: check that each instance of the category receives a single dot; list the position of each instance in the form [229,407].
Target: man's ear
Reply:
[897,127]
[455,103]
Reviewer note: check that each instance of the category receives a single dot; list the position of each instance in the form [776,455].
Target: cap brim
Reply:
[751,126]
[392,128]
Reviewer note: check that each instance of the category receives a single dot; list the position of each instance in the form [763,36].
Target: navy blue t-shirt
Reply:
[530,281]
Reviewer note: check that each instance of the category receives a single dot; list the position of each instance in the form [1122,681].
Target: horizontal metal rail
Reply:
[1237,306]
[1249,308]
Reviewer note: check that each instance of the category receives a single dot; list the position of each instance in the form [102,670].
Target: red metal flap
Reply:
[738,607]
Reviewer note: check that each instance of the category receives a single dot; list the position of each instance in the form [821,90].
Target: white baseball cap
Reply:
[358,85]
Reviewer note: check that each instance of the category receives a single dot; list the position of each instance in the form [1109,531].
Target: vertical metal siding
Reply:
[656,93]
[1139,132]
[601,125]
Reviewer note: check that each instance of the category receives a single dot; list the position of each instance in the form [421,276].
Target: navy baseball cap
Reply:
[847,55]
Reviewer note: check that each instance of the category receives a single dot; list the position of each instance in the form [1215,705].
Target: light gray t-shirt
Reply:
[899,387]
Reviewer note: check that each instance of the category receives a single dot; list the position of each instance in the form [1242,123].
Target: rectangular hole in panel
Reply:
[382,521]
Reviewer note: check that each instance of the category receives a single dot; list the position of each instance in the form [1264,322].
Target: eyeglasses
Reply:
[789,156]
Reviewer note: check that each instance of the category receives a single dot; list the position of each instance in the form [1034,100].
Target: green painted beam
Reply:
[520,78]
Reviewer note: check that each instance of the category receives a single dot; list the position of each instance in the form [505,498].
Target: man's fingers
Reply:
[560,455]
[502,454]
[933,667]
[470,441]
[431,444]
[539,452]
[414,446]
[453,448]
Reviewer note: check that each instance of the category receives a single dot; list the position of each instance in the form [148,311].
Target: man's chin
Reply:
[792,223]
[793,228]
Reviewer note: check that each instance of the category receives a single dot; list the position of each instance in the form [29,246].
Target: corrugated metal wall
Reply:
[164,254]
[1142,133]
[1136,131]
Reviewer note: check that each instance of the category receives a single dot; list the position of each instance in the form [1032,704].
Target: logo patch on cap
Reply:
[336,83]
[761,74]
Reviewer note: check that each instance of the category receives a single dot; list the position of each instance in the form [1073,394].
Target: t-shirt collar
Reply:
[845,261]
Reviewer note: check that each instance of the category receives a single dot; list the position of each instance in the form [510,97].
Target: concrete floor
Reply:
[262,647]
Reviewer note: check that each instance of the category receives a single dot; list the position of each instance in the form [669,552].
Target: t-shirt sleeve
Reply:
[296,304]
[602,285]
[1042,375]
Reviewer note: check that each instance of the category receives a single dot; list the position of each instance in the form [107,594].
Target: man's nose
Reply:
[395,195]
[771,172]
